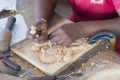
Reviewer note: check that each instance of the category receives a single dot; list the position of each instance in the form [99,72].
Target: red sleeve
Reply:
[116,4]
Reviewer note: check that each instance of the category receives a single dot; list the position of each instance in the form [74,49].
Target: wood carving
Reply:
[50,53]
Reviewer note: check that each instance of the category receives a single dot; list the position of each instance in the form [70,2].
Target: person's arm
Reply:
[67,33]
[92,27]
[44,9]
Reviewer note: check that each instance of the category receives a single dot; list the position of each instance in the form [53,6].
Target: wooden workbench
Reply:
[25,7]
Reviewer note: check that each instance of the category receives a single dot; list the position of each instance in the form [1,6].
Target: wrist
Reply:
[81,31]
[40,23]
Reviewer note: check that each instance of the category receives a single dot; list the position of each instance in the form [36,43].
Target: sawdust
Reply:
[51,52]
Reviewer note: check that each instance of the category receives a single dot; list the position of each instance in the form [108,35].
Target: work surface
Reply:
[25,7]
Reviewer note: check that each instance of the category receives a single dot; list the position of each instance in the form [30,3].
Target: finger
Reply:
[60,42]
[44,32]
[37,24]
[39,38]
[39,41]
[43,25]
[66,43]
[53,34]
[56,38]
[36,40]
[43,38]
[29,36]
[33,27]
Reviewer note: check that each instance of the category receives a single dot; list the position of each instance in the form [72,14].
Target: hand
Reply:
[65,34]
[38,32]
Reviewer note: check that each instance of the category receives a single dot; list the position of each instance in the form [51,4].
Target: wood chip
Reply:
[51,52]
[32,31]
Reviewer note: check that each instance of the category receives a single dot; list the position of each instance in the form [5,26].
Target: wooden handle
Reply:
[10,22]
[11,64]
[58,24]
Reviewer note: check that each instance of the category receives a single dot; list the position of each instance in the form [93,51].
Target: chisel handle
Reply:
[10,22]
[11,64]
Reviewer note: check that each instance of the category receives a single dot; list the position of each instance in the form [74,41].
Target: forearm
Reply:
[44,9]
[92,27]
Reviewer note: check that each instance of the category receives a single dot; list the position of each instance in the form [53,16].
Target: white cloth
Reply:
[7,5]
[19,29]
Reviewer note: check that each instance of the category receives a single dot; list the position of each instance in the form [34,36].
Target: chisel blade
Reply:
[26,72]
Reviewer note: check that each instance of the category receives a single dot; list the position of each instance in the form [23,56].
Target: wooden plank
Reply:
[22,49]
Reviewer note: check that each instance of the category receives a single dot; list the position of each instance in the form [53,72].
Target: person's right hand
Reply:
[38,32]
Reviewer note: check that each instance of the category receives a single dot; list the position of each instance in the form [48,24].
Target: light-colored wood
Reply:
[102,70]
[22,49]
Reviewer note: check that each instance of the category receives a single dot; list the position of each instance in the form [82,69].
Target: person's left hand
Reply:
[65,34]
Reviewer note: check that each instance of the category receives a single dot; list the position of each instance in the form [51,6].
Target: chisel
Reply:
[6,55]
[15,66]
[6,35]
[5,71]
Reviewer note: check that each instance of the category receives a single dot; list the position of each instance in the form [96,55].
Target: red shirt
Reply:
[88,10]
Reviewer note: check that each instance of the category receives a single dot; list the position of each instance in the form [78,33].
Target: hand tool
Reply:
[5,71]
[6,55]
[105,36]
[15,66]
[6,34]
[55,77]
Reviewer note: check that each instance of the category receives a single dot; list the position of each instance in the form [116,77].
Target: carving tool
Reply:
[6,35]
[5,71]
[6,55]
[16,67]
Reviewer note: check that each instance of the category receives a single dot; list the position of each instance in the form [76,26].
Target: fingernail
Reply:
[33,27]
[37,36]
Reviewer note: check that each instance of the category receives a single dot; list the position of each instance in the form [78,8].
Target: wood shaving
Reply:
[32,31]
[46,58]
[49,44]
[51,53]
[68,56]
[59,57]
[35,48]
